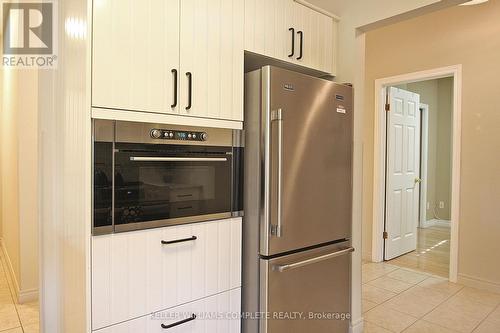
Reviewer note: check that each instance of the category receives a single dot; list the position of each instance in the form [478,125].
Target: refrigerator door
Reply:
[307,145]
[307,291]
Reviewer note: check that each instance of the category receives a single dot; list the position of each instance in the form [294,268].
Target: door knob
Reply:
[418,180]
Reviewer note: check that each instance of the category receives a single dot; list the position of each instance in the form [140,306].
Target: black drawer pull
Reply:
[293,42]
[174,72]
[179,240]
[301,34]
[190,90]
[193,317]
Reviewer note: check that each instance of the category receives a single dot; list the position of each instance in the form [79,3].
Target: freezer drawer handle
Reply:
[179,240]
[193,317]
[178,159]
[282,268]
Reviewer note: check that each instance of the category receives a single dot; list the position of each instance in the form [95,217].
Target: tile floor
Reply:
[14,317]
[403,300]
[432,254]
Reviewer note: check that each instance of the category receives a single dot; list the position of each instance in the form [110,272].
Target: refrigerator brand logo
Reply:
[29,38]
[289,87]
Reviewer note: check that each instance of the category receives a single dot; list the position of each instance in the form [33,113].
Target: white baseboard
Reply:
[29,295]
[474,282]
[22,296]
[357,326]
[436,222]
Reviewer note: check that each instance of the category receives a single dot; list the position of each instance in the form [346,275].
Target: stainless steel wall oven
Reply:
[151,175]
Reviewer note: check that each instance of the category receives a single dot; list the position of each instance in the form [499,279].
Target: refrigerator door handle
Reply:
[278,117]
[283,268]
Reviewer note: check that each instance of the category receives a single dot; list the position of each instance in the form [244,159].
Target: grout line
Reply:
[485,318]
[9,284]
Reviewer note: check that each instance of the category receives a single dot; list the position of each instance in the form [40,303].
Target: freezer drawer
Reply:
[307,291]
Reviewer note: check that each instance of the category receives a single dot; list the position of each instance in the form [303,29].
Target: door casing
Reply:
[455,71]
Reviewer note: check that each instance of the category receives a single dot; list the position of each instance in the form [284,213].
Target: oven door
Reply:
[173,186]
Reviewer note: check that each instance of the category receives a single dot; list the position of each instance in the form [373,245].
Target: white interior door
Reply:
[403,170]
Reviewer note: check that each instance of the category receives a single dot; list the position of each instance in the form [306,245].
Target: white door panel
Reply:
[403,170]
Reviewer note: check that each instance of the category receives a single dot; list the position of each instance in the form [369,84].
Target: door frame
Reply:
[379,154]
[424,156]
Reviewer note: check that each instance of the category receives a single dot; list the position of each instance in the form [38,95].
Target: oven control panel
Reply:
[166,134]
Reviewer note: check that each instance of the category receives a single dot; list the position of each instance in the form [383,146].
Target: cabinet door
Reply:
[211,62]
[135,49]
[267,25]
[315,37]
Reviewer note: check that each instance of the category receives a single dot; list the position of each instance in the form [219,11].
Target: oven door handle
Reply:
[177,159]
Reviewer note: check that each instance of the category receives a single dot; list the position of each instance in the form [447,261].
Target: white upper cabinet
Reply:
[289,31]
[211,63]
[169,56]
[135,49]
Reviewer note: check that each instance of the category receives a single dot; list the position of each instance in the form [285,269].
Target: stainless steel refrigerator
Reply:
[298,199]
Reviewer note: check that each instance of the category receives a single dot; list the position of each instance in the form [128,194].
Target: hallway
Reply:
[14,317]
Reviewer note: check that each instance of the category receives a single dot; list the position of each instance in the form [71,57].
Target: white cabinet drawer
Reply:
[216,314]
[134,274]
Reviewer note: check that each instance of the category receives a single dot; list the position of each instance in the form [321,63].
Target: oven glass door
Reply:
[181,184]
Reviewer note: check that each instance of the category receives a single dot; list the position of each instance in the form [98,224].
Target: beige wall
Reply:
[19,177]
[466,35]
[438,94]
[9,161]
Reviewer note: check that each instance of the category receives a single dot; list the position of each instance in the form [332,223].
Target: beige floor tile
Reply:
[408,276]
[423,326]
[368,305]
[417,301]
[441,284]
[480,296]
[488,327]
[387,283]
[28,313]
[369,327]
[460,314]
[13,330]
[495,315]
[8,317]
[376,295]
[372,271]
[34,328]
[389,319]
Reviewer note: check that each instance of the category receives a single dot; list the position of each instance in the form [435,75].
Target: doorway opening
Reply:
[417,171]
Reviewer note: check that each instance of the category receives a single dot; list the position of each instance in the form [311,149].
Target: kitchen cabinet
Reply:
[291,31]
[180,57]
[134,274]
[194,317]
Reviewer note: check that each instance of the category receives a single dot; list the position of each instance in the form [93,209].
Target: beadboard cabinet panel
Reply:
[211,48]
[133,274]
[137,44]
[267,25]
[135,49]
[311,43]
[226,306]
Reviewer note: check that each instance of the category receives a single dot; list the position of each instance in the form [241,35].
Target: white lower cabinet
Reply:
[134,274]
[215,314]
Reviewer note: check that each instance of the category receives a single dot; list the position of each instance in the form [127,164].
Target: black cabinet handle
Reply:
[193,317]
[301,34]
[293,42]
[190,89]
[174,72]
[179,240]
